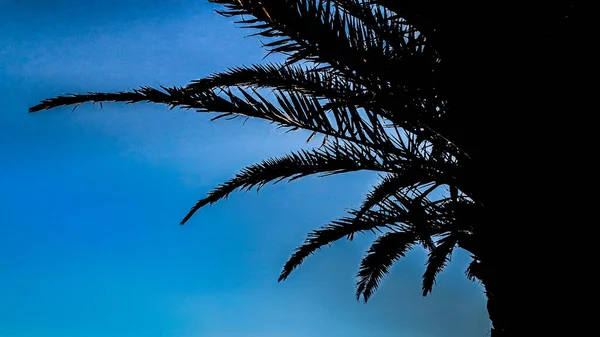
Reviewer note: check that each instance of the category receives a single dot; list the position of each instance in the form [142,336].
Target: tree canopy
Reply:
[421,93]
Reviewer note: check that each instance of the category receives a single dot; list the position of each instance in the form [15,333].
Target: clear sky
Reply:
[90,200]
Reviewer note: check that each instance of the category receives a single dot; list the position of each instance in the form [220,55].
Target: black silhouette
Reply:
[437,97]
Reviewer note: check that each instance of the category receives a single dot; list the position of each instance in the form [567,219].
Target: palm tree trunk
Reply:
[500,305]
[522,117]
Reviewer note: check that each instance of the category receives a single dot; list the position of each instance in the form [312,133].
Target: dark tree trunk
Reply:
[505,303]
[496,311]
[517,100]
[516,75]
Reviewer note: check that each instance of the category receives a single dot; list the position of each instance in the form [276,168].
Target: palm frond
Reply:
[314,30]
[454,215]
[409,177]
[386,250]
[388,185]
[337,230]
[320,31]
[329,28]
[327,160]
[340,92]
[414,201]
[438,257]
[385,188]
[322,84]
[143,94]
[296,111]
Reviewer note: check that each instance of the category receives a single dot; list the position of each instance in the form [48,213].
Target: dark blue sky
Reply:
[90,200]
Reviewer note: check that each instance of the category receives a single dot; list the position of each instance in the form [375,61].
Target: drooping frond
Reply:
[386,250]
[438,257]
[313,30]
[143,94]
[388,185]
[295,111]
[407,208]
[339,92]
[414,201]
[454,217]
[343,97]
[407,177]
[337,230]
[327,160]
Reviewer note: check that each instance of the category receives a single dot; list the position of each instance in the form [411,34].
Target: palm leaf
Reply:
[409,177]
[415,202]
[321,84]
[328,160]
[296,111]
[143,94]
[438,257]
[335,231]
[308,30]
[339,92]
[386,250]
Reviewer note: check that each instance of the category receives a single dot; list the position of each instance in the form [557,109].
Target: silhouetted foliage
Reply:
[412,90]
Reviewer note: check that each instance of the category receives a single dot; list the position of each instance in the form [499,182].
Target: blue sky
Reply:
[90,200]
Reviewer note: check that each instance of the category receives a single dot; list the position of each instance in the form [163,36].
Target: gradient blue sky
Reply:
[90,200]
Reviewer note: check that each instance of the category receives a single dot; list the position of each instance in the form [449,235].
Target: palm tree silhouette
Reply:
[420,92]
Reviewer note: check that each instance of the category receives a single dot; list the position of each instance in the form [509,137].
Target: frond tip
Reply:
[143,94]
[437,260]
[386,250]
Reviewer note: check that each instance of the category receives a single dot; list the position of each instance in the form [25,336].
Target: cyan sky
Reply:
[90,200]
